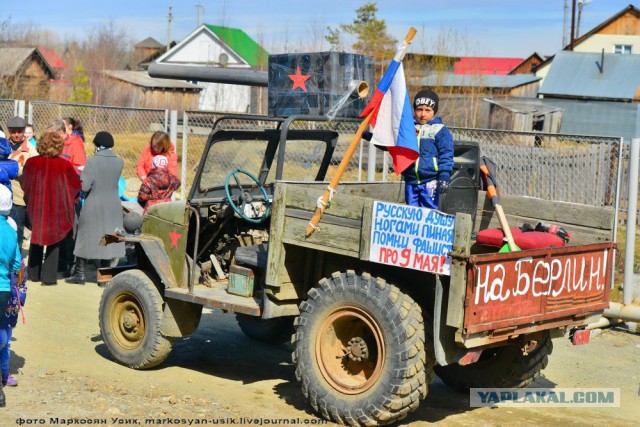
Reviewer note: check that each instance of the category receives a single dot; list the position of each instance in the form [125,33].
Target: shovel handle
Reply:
[505,227]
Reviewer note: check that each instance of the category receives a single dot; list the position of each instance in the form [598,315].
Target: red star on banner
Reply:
[299,79]
[174,236]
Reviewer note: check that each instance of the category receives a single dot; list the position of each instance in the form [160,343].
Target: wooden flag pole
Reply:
[323,202]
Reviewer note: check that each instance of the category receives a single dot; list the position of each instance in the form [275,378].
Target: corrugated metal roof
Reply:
[485,65]
[52,57]
[578,74]
[141,78]
[477,80]
[523,105]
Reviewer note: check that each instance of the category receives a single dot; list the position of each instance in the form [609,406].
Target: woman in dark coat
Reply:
[51,187]
[102,212]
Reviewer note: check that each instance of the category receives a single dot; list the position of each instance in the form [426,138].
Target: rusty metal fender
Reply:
[156,256]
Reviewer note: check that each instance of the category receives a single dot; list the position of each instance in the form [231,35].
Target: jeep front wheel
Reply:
[359,350]
[130,321]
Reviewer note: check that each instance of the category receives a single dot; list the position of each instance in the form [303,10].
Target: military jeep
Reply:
[366,336]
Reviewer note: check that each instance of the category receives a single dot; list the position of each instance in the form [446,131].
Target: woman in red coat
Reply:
[50,185]
[160,144]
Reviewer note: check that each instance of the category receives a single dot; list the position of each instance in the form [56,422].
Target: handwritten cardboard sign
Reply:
[411,237]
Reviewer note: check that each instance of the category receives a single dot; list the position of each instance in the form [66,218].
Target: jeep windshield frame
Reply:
[282,152]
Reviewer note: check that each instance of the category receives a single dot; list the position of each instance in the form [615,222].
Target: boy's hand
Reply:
[443,186]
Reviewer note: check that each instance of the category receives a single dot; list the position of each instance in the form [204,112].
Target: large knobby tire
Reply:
[351,317]
[272,331]
[499,367]
[130,321]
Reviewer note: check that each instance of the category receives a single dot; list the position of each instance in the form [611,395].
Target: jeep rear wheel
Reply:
[130,321]
[499,367]
[359,350]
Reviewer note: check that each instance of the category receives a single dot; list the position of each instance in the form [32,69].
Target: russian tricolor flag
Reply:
[392,118]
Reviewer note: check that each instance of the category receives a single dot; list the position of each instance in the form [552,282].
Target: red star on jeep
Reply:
[174,236]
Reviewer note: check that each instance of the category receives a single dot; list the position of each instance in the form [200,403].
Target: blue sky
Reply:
[509,28]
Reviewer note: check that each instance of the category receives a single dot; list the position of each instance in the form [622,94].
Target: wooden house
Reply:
[24,73]
[217,46]
[619,34]
[137,89]
[528,65]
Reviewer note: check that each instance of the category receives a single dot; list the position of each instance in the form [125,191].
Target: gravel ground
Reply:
[66,376]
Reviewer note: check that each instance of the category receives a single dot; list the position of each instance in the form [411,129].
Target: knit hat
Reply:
[159,162]
[6,200]
[16,122]
[103,139]
[428,98]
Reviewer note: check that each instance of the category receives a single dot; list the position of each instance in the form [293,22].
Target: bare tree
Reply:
[107,47]
[371,36]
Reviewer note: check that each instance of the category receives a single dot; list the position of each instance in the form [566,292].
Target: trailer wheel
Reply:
[359,350]
[500,367]
[272,331]
[130,320]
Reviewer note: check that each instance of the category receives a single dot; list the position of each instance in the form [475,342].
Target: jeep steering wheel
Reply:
[245,196]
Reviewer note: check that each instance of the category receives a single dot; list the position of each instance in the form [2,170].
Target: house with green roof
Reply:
[218,46]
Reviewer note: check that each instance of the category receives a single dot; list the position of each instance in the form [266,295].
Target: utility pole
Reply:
[573,24]
[199,7]
[565,22]
[169,29]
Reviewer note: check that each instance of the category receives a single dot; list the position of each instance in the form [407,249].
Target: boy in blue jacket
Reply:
[429,176]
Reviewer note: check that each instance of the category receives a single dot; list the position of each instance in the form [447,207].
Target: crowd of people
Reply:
[68,203]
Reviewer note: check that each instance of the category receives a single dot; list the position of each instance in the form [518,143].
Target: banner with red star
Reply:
[313,83]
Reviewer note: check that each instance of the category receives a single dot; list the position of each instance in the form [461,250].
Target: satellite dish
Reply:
[223,59]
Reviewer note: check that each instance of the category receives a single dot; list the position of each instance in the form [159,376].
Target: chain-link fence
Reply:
[7,110]
[131,128]
[571,168]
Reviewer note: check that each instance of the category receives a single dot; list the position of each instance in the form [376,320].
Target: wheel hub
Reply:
[350,350]
[130,322]
[357,349]
[127,322]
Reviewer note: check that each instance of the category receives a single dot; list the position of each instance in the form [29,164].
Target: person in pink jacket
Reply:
[160,144]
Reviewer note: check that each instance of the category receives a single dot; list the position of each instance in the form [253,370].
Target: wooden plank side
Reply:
[365,231]
[345,206]
[385,191]
[552,211]
[332,238]
[458,281]
[276,253]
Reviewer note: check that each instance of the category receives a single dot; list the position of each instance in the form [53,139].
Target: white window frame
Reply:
[623,49]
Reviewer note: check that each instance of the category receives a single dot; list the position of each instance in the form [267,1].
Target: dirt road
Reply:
[218,374]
